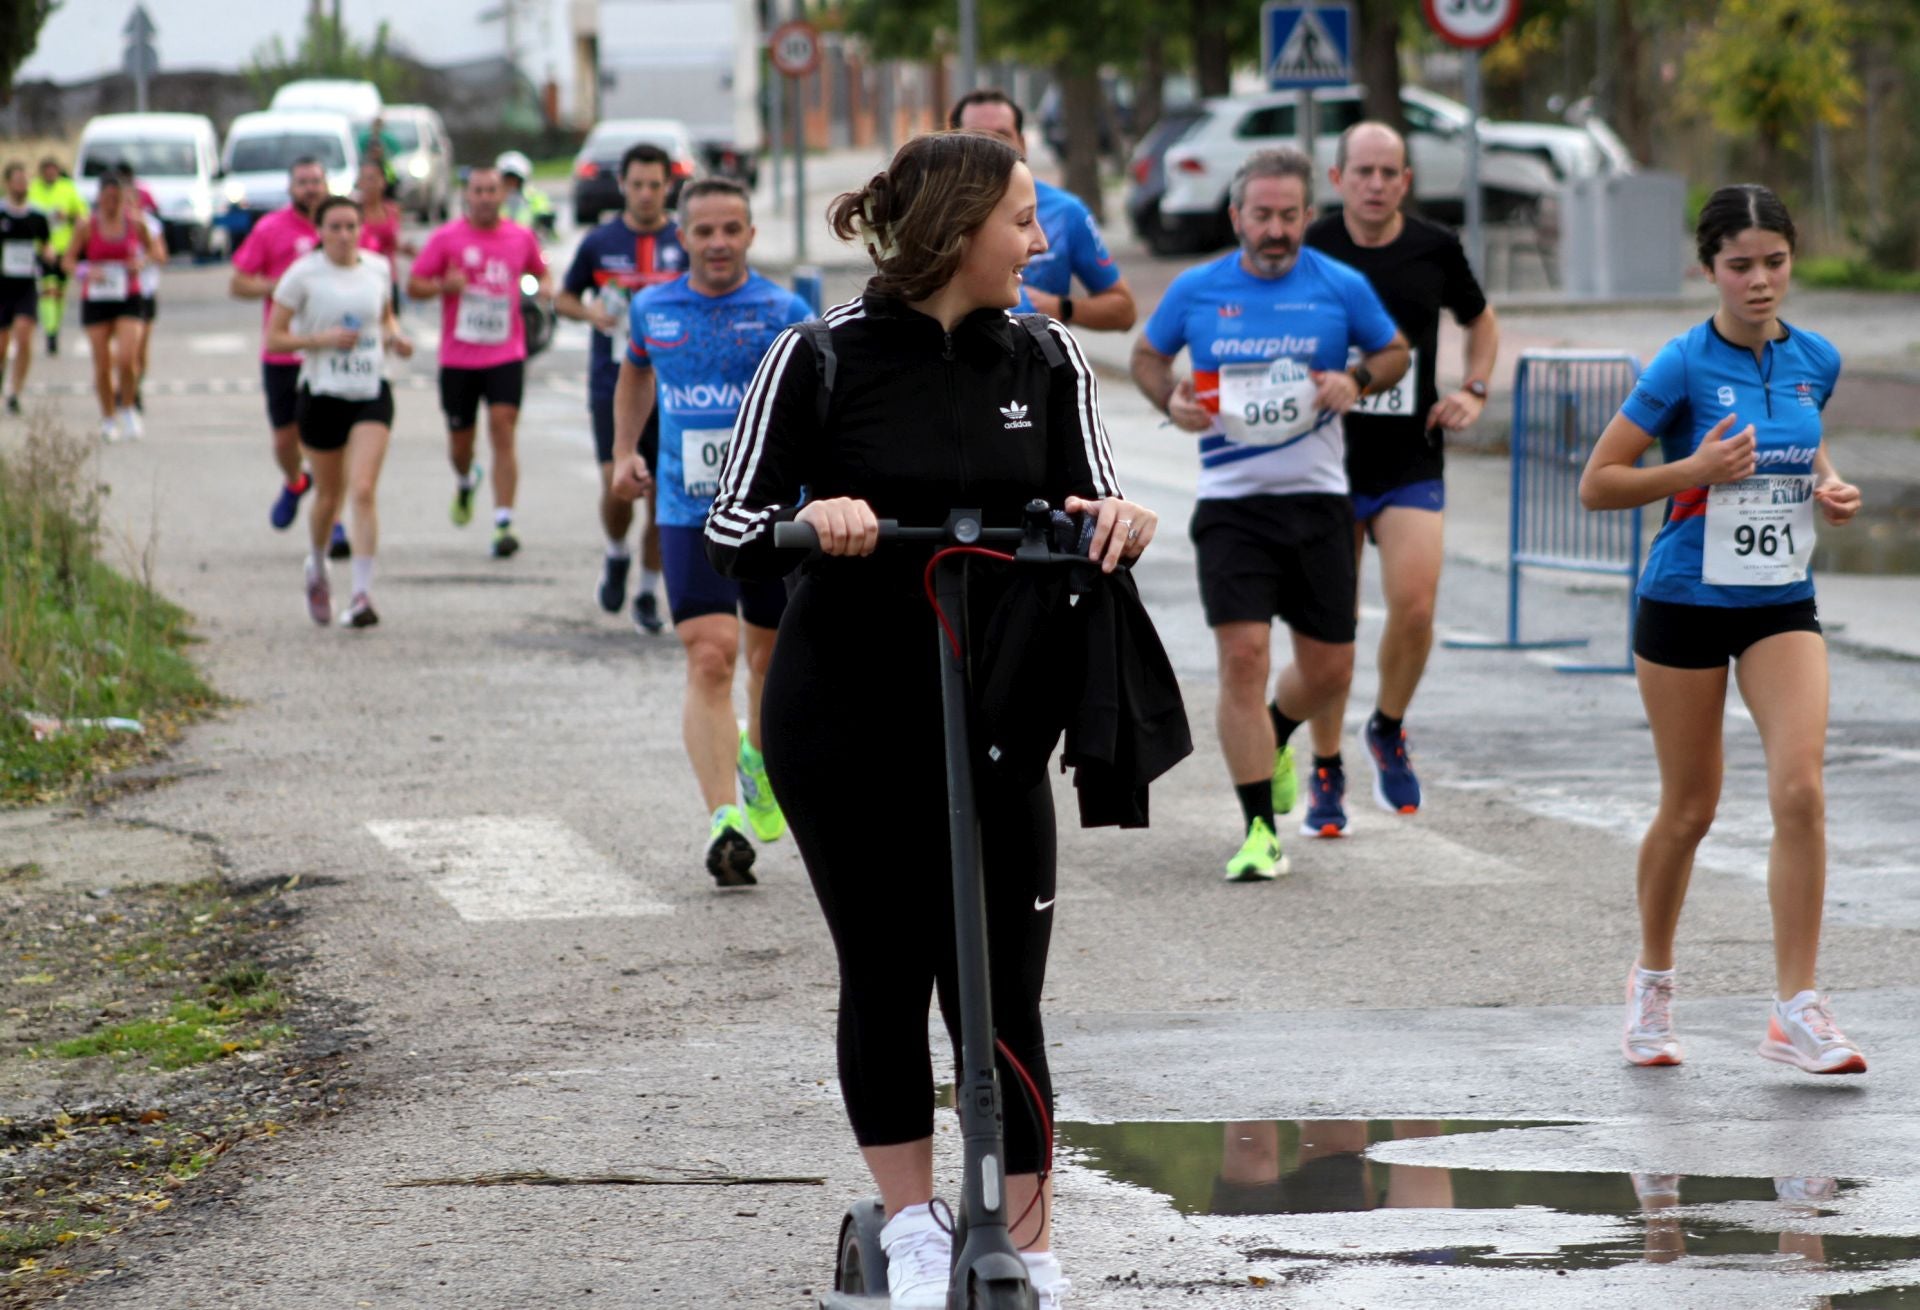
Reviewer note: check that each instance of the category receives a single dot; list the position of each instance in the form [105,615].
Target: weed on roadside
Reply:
[78,640]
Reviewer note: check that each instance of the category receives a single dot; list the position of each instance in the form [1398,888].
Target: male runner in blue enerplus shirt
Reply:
[637,248]
[1075,248]
[693,346]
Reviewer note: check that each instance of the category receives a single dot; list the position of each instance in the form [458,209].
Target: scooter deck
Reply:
[851,1301]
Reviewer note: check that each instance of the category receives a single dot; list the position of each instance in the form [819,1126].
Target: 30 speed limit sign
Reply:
[795,48]
[1471,23]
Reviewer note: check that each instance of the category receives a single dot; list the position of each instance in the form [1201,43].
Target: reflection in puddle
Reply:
[1320,1167]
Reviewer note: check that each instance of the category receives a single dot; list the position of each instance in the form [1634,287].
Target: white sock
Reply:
[1651,975]
[362,575]
[649,579]
[1796,1001]
[503,518]
[1043,1269]
[617,548]
[317,560]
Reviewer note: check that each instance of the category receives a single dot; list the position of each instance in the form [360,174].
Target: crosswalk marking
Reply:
[499,869]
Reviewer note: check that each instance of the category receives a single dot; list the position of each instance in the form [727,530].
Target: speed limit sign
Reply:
[795,47]
[1471,24]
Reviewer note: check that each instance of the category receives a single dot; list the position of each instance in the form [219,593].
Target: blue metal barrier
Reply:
[1562,402]
[808,284]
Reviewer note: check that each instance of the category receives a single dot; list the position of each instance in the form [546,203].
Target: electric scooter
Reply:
[988,1273]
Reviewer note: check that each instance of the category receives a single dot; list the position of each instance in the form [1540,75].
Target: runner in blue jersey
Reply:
[1735,405]
[638,248]
[1075,248]
[1267,330]
[693,345]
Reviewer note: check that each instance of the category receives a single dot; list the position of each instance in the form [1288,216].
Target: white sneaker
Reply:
[109,430]
[1649,1036]
[919,1259]
[1801,1032]
[130,426]
[1050,1286]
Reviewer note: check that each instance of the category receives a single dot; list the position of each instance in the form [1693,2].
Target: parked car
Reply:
[359,101]
[262,147]
[425,164]
[596,169]
[176,157]
[1147,170]
[1521,164]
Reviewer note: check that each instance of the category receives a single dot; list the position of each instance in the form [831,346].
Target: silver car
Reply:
[425,161]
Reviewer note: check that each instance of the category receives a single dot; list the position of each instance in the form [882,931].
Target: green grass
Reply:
[78,640]
[189,1033]
[1854,273]
[557,169]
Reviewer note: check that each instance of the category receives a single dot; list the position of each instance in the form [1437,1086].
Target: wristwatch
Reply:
[1475,388]
[1362,377]
[1066,309]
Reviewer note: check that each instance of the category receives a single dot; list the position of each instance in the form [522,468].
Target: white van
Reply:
[359,101]
[176,157]
[262,147]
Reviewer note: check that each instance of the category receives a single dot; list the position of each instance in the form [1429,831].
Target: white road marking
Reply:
[221,343]
[495,869]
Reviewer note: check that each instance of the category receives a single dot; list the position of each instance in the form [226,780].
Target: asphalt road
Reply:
[499,847]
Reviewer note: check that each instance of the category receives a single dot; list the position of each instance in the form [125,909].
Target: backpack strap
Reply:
[1036,326]
[820,337]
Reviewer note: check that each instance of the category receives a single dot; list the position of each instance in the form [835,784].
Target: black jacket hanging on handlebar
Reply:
[1073,650]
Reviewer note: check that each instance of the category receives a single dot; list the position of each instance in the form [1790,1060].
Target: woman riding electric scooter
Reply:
[936,398]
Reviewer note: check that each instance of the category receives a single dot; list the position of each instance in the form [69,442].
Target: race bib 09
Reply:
[1266,404]
[1759,531]
[484,319]
[703,453]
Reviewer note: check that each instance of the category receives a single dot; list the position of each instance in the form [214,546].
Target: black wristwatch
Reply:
[1066,309]
[1362,376]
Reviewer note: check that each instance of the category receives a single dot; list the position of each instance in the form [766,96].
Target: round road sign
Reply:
[795,47]
[1471,23]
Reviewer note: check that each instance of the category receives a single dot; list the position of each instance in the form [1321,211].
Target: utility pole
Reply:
[969,44]
[141,61]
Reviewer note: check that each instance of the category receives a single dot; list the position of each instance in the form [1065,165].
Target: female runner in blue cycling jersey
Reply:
[1735,404]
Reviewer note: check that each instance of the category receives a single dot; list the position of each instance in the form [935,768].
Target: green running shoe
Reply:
[1259,858]
[729,853]
[462,511]
[756,793]
[1286,783]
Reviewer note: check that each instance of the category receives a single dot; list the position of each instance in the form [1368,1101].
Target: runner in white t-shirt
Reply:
[334,305]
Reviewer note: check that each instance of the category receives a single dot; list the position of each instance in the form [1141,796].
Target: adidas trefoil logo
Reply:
[1016,415]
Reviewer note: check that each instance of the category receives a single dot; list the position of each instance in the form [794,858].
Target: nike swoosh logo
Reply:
[1047,904]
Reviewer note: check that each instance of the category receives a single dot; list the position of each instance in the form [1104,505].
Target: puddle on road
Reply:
[1884,539]
[1320,1168]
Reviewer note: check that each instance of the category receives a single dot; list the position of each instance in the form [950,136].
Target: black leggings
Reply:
[851,719]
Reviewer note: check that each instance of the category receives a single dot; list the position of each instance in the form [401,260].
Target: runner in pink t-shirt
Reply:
[275,242]
[474,264]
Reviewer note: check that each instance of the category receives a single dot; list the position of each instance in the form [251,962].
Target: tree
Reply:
[20,24]
[1772,69]
[326,49]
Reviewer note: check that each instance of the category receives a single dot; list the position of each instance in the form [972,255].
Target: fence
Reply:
[1562,402]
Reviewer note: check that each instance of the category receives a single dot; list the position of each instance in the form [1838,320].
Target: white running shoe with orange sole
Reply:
[1649,1038]
[1801,1032]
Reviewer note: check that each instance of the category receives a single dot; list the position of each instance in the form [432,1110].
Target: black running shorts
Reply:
[281,382]
[1285,557]
[327,421]
[463,389]
[1707,636]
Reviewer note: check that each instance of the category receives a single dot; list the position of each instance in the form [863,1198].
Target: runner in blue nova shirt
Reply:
[693,346]
[1735,405]
[1075,248]
[1267,330]
[639,247]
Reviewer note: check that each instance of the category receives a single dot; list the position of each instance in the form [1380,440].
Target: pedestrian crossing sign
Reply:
[1306,45]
